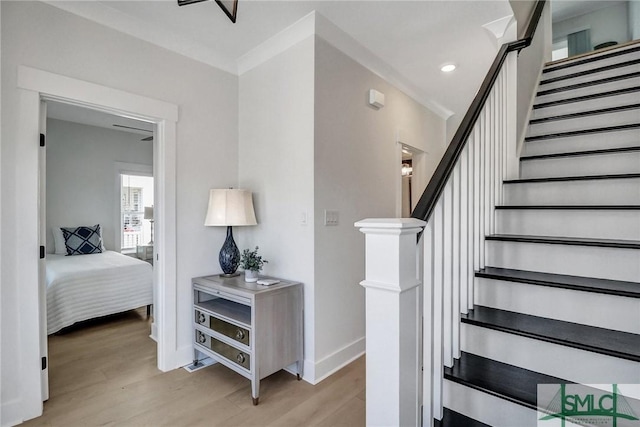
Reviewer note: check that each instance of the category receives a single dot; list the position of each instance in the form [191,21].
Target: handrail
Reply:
[438,181]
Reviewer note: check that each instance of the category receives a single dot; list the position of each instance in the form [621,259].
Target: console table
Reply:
[253,329]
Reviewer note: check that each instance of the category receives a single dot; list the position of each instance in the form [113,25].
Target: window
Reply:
[136,193]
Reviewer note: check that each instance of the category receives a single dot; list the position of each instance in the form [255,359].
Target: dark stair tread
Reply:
[572,178]
[571,207]
[517,385]
[587,97]
[454,419]
[581,153]
[583,132]
[590,71]
[589,83]
[588,113]
[592,58]
[579,283]
[624,345]
[572,241]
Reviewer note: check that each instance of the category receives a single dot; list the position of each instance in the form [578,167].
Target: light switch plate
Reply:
[331,217]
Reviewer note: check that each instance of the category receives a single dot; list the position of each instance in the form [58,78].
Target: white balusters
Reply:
[436,316]
[450,251]
[463,271]
[455,268]
[447,261]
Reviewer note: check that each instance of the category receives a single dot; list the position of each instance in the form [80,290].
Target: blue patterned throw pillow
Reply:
[82,240]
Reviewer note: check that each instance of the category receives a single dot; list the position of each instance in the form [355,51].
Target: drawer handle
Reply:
[239,334]
[202,318]
[201,338]
[240,358]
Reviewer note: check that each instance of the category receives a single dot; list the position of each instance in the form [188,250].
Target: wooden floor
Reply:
[105,374]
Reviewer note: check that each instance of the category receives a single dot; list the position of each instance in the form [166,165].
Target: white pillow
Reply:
[61,247]
[58,240]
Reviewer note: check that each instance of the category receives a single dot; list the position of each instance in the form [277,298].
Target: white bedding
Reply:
[83,287]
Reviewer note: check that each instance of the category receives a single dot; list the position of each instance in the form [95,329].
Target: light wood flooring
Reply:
[105,374]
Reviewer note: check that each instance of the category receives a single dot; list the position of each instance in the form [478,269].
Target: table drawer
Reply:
[225,350]
[227,329]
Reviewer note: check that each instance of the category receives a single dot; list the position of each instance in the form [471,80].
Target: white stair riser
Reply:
[582,192]
[595,141]
[586,105]
[601,164]
[557,360]
[591,65]
[589,308]
[591,77]
[589,90]
[486,408]
[596,224]
[588,261]
[589,122]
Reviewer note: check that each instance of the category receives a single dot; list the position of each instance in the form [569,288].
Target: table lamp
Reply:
[229,207]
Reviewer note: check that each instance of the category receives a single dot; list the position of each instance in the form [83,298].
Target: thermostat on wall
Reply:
[376,98]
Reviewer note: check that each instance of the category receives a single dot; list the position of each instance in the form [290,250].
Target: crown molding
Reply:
[342,41]
[285,39]
[316,24]
[311,24]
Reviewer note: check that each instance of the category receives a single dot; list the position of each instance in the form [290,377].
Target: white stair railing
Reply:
[454,241]
[413,331]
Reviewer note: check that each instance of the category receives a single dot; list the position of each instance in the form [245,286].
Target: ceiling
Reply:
[565,9]
[412,39]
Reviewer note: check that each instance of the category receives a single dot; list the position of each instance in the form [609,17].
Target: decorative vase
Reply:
[250,276]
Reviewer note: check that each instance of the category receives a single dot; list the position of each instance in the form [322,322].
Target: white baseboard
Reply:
[154,332]
[183,356]
[11,413]
[335,361]
[313,372]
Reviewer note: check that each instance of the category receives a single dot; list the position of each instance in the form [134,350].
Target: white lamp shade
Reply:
[230,206]
[148,212]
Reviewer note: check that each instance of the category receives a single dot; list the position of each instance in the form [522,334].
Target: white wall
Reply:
[81,175]
[310,142]
[530,63]
[522,10]
[47,38]
[634,19]
[357,173]
[276,164]
[607,24]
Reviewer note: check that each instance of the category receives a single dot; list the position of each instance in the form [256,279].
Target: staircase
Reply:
[559,298]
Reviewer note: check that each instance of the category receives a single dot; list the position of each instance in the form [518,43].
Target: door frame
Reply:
[419,179]
[34,86]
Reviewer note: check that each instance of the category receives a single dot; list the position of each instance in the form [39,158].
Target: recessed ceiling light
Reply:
[447,68]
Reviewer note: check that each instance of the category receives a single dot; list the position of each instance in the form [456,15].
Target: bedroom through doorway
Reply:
[97,210]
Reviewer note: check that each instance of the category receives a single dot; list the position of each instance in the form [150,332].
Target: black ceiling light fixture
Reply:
[229,7]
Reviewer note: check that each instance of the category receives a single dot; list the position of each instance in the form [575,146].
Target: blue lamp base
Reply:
[229,256]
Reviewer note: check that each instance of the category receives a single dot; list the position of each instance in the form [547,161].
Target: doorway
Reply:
[406,171]
[35,86]
[83,149]
[411,178]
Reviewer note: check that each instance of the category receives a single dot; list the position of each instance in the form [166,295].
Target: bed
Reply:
[94,285]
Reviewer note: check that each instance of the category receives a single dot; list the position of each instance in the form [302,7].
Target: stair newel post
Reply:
[393,320]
